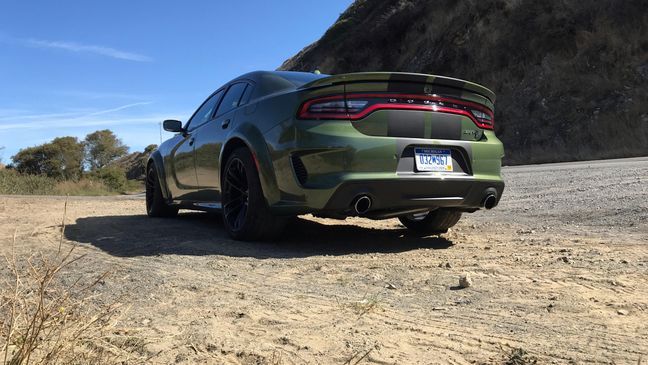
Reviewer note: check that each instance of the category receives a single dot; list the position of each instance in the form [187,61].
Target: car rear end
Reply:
[386,144]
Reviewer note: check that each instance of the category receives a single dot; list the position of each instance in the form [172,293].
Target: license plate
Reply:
[433,159]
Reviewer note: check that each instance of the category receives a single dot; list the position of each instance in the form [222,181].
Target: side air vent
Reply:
[300,169]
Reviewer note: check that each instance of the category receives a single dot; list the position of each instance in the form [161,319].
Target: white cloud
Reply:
[23,115]
[74,115]
[137,128]
[100,50]
[67,123]
[96,95]
[112,110]
[78,48]
[87,118]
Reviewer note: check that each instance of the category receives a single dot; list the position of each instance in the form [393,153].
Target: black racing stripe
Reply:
[401,123]
[450,82]
[446,90]
[418,84]
[409,78]
[406,87]
[445,126]
[407,83]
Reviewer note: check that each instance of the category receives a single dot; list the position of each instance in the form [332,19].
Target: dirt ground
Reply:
[559,269]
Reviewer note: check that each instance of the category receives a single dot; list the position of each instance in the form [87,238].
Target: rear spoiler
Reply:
[401,77]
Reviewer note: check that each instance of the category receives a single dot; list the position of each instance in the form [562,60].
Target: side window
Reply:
[204,113]
[231,98]
[246,95]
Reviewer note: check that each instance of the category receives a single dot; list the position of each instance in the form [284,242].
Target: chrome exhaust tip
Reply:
[362,204]
[490,201]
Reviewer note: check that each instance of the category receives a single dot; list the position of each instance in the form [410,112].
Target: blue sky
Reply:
[68,68]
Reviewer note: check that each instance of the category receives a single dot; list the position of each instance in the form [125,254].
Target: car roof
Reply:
[270,82]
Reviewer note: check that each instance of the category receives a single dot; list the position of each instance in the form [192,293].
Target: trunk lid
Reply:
[406,83]
[408,105]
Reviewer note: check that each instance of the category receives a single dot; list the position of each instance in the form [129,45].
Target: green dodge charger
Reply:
[268,146]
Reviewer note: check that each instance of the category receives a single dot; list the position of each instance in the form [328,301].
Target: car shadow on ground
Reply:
[203,234]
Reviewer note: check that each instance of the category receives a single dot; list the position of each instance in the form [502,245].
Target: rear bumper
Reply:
[321,168]
[392,196]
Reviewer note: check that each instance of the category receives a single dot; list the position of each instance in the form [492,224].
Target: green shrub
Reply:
[113,177]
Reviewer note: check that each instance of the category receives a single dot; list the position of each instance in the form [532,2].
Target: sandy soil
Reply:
[559,269]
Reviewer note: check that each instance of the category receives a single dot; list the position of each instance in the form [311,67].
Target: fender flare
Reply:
[158,161]
[251,137]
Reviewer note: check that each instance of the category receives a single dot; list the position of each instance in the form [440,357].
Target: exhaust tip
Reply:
[490,201]
[362,204]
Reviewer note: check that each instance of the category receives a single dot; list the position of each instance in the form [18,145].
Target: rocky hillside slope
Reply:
[134,164]
[571,76]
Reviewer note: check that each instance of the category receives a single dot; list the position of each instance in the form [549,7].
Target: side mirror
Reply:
[171,125]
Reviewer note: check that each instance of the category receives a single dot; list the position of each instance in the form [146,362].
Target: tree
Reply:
[62,158]
[103,147]
[149,149]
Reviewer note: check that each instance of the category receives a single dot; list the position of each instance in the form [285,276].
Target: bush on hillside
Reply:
[113,177]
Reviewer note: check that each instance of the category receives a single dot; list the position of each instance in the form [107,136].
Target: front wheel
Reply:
[433,222]
[246,215]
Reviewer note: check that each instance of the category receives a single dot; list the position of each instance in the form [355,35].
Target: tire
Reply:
[246,215]
[435,222]
[156,206]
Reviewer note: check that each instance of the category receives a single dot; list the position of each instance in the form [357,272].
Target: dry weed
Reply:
[47,320]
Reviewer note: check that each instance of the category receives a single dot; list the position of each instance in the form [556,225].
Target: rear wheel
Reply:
[433,222]
[246,215]
[156,206]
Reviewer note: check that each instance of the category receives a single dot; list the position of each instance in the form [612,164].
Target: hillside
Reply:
[134,164]
[571,76]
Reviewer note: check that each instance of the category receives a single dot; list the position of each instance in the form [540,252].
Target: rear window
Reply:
[271,83]
[300,78]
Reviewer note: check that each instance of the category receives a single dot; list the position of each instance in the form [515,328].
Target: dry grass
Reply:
[12,182]
[518,356]
[364,306]
[82,187]
[513,356]
[46,317]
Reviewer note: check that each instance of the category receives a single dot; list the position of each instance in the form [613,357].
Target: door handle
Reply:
[225,123]
[191,141]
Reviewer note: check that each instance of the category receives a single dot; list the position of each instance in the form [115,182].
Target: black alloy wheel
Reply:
[246,214]
[156,206]
[236,194]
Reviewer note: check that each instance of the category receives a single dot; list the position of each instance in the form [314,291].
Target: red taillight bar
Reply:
[304,112]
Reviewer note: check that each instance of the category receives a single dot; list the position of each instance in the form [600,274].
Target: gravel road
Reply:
[559,269]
